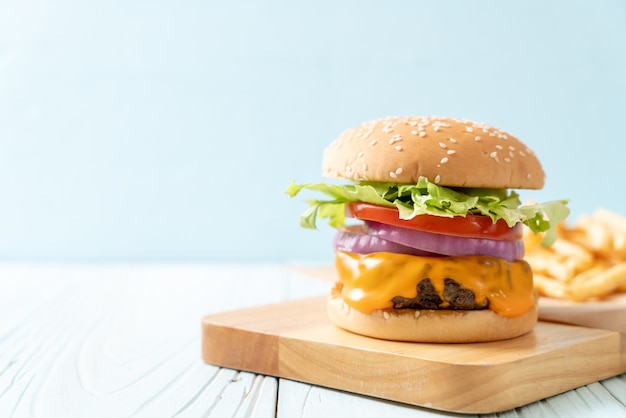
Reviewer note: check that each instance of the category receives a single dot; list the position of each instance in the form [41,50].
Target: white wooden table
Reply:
[115,340]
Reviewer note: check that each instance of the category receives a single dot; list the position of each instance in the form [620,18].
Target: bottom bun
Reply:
[433,326]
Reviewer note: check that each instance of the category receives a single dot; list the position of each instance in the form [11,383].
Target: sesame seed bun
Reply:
[430,326]
[449,152]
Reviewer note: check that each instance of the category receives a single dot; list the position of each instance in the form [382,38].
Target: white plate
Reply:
[608,313]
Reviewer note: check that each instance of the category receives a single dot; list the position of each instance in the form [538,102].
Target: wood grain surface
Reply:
[295,340]
[124,340]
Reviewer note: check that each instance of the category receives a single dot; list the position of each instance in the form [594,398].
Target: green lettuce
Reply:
[429,198]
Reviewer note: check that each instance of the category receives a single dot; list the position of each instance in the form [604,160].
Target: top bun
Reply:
[449,152]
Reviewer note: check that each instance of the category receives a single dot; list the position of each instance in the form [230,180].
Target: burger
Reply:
[429,240]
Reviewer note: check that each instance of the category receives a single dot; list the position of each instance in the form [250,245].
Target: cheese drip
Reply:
[371,281]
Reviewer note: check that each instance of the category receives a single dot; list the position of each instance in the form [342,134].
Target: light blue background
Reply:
[168,130]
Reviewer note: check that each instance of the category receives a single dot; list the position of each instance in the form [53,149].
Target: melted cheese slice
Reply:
[370,281]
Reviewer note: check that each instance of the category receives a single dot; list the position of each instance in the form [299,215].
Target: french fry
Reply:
[548,286]
[587,261]
[544,262]
[597,235]
[612,219]
[598,283]
[617,225]
[570,249]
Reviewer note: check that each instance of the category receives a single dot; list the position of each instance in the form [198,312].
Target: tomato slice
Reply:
[472,226]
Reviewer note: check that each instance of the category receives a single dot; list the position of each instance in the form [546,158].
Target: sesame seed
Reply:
[417,314]
[373,142]
[494,155]
[442,145]
[436,128]
[452,140]
[386,315]
[395,138]
[444,160]
[511,154]
[477,138]
[528,176]
[451,151]
[437,179]
[364,167]
[399,170]
[511,147]
[398,148]
[392,175]
[499,147]
[348,168]
[507,160]
[422,134]
[469,129]
[522,153]
[360,154]
[413,132]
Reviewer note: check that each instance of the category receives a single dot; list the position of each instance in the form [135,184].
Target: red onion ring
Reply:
[355,240]
[447,244]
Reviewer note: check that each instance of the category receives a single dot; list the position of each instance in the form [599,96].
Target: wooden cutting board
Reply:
[295,340]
